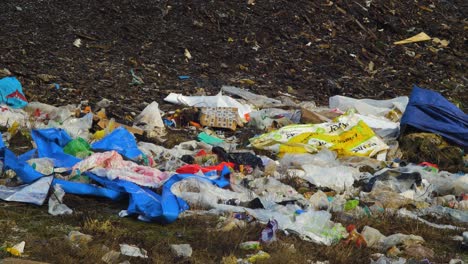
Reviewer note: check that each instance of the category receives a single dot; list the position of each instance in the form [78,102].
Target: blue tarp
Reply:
[121,141]
[430,111]
[11,93]
[164,208]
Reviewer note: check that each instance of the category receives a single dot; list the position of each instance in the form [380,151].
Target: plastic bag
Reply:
[78,147]
[373,107]
[150,119]
[348,135]
[111,165]
[34,193]
[56,205]
[8,116]
[265,118]
[430,111]
[11,93]
[260,101]
[78,127]
[218,100]
[201,193]
[339,178]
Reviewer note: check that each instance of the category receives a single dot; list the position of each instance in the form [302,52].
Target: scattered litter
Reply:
[56,205]
[133,251]
[416,38]
[78,237]
[77,43]
[181,250]
[111,257]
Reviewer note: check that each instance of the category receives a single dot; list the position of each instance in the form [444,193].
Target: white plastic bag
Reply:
[150,118]
[218,100]
[369,106]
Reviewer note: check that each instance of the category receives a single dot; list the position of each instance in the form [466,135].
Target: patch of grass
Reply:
[45,237]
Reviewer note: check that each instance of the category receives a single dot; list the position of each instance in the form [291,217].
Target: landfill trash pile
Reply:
[306,168]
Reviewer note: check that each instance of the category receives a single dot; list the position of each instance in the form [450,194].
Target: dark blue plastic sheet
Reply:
[430,111]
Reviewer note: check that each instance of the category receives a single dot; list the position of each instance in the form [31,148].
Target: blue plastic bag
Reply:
[430,111]
[121,141]
[11,93]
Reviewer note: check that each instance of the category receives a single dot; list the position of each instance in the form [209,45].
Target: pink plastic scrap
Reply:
[110,164]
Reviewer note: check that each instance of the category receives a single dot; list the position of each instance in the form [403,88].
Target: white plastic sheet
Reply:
[218,100]
[34,193]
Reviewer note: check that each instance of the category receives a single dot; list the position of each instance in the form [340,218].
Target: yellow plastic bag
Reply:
[347,135]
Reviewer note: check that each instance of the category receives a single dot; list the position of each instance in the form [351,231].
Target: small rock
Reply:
[111,257]
[76,236]
[182,250]
[133,251]
[19,8]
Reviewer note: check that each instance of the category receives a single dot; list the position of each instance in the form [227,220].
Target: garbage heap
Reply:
[302,164]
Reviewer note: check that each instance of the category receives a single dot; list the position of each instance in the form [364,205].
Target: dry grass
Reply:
[45,237]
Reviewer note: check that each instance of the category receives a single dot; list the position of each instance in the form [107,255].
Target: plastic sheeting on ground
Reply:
[121,141]
[110,164]
[430,111]
[218,100]
[34,193]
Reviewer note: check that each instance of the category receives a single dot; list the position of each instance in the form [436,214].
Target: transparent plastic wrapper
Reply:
[339,178]
[317,227]
[372,236]
[387,198]
[274,190]
[319,201]
[218,100]
[111,165]
[56,205]
[382,108]
[201,193]
[382,126]
[43,165]
[408,214]
[441,211]
[360,162]
[58,114]
[8,116]
[150,119]
[442,182]
[265,118]
[259,101]
[78,127]
[324,158]
[162,158]
[347,135]
[34,193]
[398,240]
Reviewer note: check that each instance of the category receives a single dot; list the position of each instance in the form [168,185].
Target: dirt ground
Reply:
[313,49]
[310,49]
